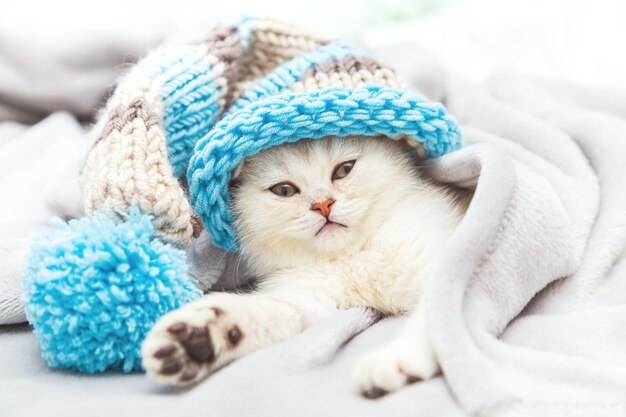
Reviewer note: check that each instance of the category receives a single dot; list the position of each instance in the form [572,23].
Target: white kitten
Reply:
[326,225]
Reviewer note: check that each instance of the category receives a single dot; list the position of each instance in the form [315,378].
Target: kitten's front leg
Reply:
[405,360]
[189,343]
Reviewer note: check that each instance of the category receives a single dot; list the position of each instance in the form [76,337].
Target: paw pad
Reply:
[171,366]
[374,393]
[234,335]
[412,379]
[165,352]
[195,340]
[188,344]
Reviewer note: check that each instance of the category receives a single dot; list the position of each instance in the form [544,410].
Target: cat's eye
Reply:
[284,189]
[342,170]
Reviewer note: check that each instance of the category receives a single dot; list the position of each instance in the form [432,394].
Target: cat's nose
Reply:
[323,206]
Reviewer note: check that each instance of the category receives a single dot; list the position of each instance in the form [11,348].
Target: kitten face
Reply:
[316,196]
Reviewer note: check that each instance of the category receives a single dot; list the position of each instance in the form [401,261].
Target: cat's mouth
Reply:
[330,225]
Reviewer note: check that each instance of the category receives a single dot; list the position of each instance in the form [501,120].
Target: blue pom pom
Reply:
[94,288]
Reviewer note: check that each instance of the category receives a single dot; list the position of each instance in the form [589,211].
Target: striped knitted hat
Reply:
[187,115]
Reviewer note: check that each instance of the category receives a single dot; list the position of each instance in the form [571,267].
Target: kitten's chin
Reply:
[331,228]
[331,238]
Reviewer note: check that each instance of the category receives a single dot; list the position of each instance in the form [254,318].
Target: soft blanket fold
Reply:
[549,205]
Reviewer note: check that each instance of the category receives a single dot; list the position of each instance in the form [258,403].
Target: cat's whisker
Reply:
[226,252]
[237,265]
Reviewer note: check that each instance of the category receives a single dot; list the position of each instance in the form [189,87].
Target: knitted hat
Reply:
[201,108]
[189,114]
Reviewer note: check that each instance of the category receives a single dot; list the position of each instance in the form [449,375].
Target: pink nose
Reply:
[323,207]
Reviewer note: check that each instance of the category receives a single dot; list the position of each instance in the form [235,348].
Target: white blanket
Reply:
[549,205]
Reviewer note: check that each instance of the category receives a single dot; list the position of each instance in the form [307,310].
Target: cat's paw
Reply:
[189,343]
[390,368]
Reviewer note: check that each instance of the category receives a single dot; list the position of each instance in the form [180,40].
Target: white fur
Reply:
[396,224]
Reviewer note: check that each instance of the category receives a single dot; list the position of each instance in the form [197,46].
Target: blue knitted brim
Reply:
[289,117]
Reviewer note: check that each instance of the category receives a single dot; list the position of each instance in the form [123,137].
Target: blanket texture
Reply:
[527,295]
[527,304]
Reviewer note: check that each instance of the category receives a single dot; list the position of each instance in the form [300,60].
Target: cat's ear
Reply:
[235,179]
